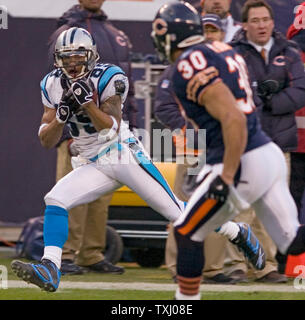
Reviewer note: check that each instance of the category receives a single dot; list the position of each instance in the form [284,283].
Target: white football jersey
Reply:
[103,78]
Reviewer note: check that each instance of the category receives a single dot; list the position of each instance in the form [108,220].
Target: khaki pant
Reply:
[214,243]
[87,223]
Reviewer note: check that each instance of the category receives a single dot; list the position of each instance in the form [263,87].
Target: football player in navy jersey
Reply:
[243,166]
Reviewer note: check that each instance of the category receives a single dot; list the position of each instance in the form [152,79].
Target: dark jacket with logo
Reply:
[298,36]
[112,44]
[277,113]
[167,110]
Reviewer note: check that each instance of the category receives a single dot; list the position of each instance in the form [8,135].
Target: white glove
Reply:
[238,202]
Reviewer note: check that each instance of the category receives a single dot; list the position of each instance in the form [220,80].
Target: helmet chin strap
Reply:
[167,47]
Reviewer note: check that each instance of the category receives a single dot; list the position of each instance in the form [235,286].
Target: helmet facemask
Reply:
[75,53]
[76,63]
[166,44]
[159,45]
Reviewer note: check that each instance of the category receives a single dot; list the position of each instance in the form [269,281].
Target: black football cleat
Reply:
[45,275]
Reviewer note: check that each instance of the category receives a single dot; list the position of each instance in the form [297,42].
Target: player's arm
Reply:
[108,113]
[221,105]
[50,130]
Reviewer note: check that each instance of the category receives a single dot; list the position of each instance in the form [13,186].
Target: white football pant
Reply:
[119,166]
[262,183]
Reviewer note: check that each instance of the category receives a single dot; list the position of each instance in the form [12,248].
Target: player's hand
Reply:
[69,100]
[218,190]
[67,107]
[82,92]
[63,113]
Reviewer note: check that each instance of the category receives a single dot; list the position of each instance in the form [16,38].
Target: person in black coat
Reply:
[296,32]
[278,81]
[277,77]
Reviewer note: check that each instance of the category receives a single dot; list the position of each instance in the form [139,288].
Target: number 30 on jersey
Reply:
[196,61]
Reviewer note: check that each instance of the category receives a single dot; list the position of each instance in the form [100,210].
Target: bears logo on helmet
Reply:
[160,26]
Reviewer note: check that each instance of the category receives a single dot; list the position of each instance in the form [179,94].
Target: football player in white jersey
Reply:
[89,96]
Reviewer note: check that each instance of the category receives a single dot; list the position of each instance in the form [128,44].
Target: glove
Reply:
[63,114]
[82,92]
[67,107]
[218,190]
[238,202]
[267,88]
[265,91]
[69,100]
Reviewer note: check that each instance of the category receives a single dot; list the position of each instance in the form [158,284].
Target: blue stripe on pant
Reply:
[55,229]
[153,171]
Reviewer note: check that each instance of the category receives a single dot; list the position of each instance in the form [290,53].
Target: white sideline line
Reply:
[161,287]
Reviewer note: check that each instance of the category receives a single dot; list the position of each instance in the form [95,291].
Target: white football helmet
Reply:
[72,42]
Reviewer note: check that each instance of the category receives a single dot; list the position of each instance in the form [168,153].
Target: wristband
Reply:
[41,127]
[115,125]
[107,134]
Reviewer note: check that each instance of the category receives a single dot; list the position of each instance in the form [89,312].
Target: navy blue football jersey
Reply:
[213,62]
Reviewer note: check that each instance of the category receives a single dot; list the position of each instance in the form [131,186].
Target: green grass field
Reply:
[133,274]
[92,294]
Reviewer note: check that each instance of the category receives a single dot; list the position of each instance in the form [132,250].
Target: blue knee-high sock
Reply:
[55,229]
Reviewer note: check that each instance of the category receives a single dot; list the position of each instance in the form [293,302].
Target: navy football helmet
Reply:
[176,25]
